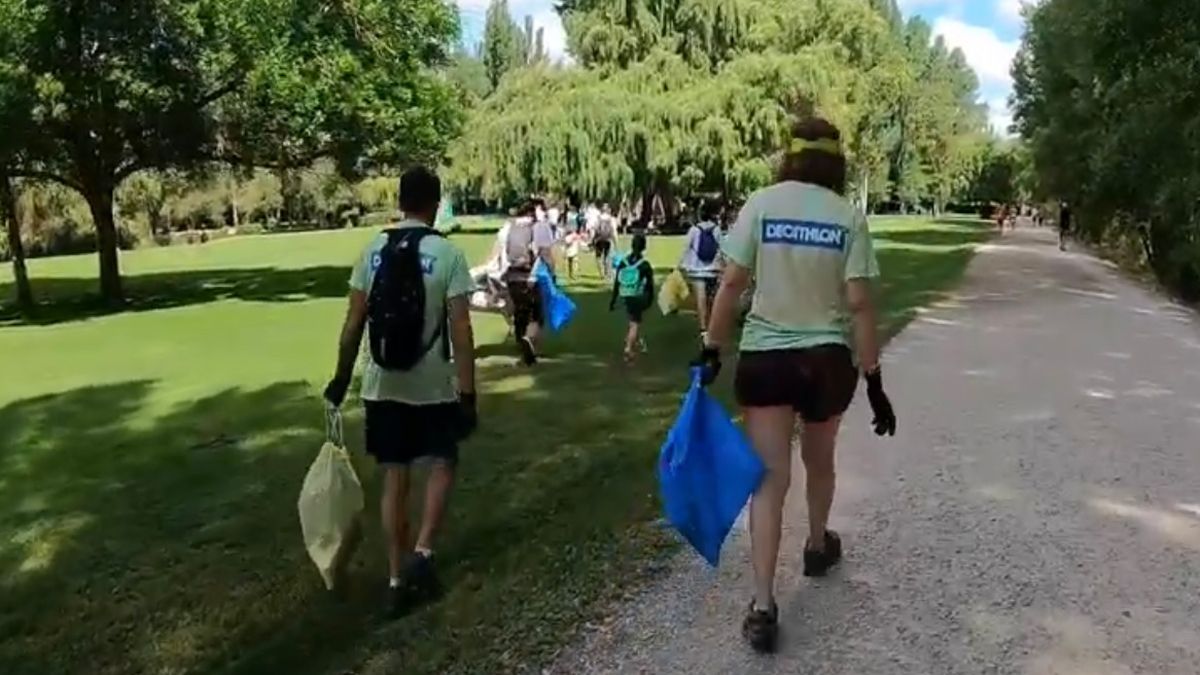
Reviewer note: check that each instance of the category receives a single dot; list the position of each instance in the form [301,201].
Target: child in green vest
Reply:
[634,285]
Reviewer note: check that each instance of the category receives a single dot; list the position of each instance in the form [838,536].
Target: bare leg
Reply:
[437,493]
[631,340]
[818,442]
[394,515]
[534,333]
[700,290]
[770,431]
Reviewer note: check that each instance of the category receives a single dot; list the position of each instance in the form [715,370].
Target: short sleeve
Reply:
[860,254]
[360,276]
[741,244]
[459,282]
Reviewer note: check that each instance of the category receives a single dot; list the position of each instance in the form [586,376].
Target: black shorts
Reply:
[400,433]
[602,247]
[635,308]
[526,302]
[818,382]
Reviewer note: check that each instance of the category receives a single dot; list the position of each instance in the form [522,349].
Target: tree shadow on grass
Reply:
[141,543]
[63,300]
[914,278]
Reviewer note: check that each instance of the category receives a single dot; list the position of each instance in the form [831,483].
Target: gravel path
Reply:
[1039,511]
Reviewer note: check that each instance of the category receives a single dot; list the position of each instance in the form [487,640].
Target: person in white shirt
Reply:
[701,262]
[604,240]
[573,246]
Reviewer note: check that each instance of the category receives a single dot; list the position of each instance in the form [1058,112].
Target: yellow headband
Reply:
[820,145]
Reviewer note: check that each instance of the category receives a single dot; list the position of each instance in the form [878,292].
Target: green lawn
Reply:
[150,463]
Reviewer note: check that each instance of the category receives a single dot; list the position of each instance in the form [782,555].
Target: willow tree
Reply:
[684,96]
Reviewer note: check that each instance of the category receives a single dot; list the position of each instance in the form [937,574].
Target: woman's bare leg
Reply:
[817,443]
[770,431]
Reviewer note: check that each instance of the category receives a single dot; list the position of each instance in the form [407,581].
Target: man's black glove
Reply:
[335,391]
[885,417]
[469,415]
[709,363]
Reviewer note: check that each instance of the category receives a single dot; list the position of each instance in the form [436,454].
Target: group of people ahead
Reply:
[810,334]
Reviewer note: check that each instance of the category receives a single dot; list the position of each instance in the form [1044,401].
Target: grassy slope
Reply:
[150,462]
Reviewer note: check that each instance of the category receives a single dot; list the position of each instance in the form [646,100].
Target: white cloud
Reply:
[1010,11]
[554,37]
[990,56]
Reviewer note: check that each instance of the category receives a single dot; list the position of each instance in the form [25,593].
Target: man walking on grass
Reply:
[528,242]
[409,291]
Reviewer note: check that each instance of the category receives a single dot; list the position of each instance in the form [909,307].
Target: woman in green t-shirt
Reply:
[809,252]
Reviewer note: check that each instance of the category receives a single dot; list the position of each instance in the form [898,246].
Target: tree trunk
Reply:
[233,202]
[100,202]
[8,209]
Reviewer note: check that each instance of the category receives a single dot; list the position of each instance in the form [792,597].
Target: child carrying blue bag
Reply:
[707,471]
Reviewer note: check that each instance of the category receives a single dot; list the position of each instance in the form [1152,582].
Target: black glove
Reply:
[709,363]
[885,417]
[469,414]
[335,391]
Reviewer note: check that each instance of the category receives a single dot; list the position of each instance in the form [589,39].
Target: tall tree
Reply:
[1107,97]
[504,45]
[125,85]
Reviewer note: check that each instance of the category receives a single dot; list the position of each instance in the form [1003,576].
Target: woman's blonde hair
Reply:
[814,155]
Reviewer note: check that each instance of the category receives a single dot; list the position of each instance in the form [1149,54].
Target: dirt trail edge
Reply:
[1038,512]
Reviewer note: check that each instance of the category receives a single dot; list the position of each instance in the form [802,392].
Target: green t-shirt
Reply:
[447,276]
[802,243]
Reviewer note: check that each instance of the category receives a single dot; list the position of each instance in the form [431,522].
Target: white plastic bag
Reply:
[331,505]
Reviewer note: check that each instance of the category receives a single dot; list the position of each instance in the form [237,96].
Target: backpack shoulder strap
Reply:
[441,331]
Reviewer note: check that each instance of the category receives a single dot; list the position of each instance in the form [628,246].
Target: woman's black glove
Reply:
[709,363]
[885,417]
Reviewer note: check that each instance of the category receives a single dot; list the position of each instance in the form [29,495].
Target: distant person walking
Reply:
[410,289]
[528,242]
[604,240]
[701,262]
[1064,225]
[810,251]
[634,286]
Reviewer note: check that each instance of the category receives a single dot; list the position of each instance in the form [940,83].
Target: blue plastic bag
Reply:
[558,306]
[707,471]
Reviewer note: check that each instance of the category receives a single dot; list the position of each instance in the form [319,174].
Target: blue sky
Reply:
[988,32]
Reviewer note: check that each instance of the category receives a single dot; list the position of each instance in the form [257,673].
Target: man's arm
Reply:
[865,322]
[348,345]
[462,337]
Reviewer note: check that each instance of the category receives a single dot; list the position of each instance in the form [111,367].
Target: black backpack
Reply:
[396,304]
